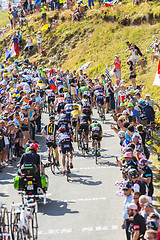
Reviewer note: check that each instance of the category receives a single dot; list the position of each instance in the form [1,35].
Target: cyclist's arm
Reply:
[136,235]
[42,170]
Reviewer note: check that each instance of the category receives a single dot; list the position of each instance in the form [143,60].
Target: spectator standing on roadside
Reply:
[28,46]
[39,43]
[132,73]
[15,39]
[127,189]
[14,13]
[150,235]
[150,101]
[137,48]
[43,13]
[10,17]
[134,56]
[117,67]
[138,226]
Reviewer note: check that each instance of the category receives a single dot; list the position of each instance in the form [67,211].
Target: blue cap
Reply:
[126,186]
[27,107]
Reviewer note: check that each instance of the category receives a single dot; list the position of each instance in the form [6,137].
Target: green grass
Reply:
[3,19]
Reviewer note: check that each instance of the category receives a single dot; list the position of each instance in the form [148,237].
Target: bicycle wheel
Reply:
[34,231]
[16,232]
[96,152]
[1,226]
[68,168]
[150,46]
[53,164]
[5,223]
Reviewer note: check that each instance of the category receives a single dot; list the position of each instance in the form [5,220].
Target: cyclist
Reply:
[69,108]
[64,120]
[51,98]
[99,98]
[59,103]
[33,158]
[50,137]
[67,96]
[84,121]
[86,103]
[96,130]
[65,143]
[75,118]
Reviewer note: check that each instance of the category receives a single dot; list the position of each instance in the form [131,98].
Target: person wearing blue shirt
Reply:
[128,199]
[133,112]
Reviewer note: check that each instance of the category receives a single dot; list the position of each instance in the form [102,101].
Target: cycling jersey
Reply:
[64,136]
[51,130]
[99,96]
[84,119]
[85,102]
[96,127]
[84,90]
[50,93]
[64,121]
[75,114]
[60,100]
[69,107]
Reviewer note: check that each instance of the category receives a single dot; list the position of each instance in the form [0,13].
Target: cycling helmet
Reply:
[27,150]
[94,121]
[152,224]
[143,162]
[69,100]
[75,107]
[84,110]
[52,118]
[133,173]
[97,87]
[34,146]
[62,129]
[65,90]
[142,102]
[121,134]
[58,78]
[61,95]
[63,110]
[40,81]
[85,96]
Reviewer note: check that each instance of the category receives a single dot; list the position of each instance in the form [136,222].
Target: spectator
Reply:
[150,101]
[10,17]
[15,39]
[128,199]
[132,74]
[134,56]
[135,200]
[117,67]
[14,13]
[133,113]
[43,13]
[91,2]
[23,19]
[137,48]
[28,46]
[39,43]
[150,235]
[156,54]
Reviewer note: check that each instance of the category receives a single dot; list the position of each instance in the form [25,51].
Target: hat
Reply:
[11,82]
[143,162]
[132,206]
[147,95]
[126,186]
[148,205]
[27,107]
[130,104]
[127,155]
[122,105]
[132,91]
[17,107]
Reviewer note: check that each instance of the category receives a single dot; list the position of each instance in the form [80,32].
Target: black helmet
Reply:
[52,118]
[133,173]
[82,83]
[94,121]
[58,78]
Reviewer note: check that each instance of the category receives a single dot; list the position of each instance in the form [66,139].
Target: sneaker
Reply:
[63,172]
[71,165]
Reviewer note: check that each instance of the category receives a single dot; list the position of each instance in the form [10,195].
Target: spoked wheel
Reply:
[15,230]
[96,153]
[34,227]
[53,164]
[5,224]
[150,46]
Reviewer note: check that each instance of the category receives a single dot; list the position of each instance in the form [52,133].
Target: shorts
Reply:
[43,15]
[66,147]
[135,60]
[51,99]
[28,48]
[15,20]
[60,107]
[107,99]
[96,136]
[132,76]
[118,73]
[74,122]
[51,143]
[112,104]
[24,128]
[11,22]
[73,90]
[19,134]
[84,126]
[100,99]
[25,6]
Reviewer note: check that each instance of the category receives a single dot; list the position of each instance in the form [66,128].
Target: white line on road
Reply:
[83,229]
[83,199]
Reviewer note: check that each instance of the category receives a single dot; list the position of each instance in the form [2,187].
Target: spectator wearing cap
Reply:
[135,200]
[39,46]
[150,101]
[150,235]
[127,163]
[43,13]
[14,13]
[139,150]
[138,226]
[135,117]
[117,67]
[152,224]
[147,112]
[147,210]
[132,97]
[146,176]
[130,131]
[127,189]
[123,141]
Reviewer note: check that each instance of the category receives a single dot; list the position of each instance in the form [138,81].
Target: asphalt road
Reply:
[85,208]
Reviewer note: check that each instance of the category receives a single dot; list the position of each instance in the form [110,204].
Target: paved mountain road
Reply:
[85,208]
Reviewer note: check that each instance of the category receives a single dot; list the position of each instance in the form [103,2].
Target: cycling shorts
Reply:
[51,143]
[60,107]
[100,99]
[84,126]
[66,147]
[96,136]
[51,99]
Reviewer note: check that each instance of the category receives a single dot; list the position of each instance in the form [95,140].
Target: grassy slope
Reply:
[3,19]
[98,40]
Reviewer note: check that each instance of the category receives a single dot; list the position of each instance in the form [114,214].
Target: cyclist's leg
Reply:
[93,143]
[71,158]
[64,163]
[57,154]
[99,146]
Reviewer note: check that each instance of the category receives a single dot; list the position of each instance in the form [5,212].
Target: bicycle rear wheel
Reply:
[53,165]
[96,152]
[150,46]
[34,232]
[5,223]
[83,143]
[68,168]
[16,232]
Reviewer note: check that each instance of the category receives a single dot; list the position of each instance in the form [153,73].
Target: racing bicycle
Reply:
[101,114]
[4,223]
[150,46]
[23,221]
[52,162]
